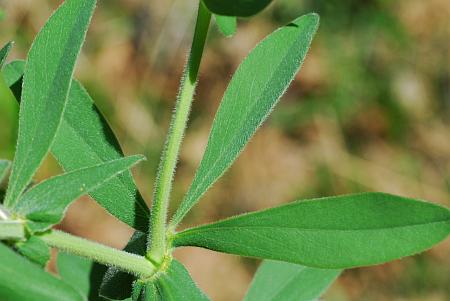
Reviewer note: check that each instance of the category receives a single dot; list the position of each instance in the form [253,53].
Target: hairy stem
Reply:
[131,263]
[169,157]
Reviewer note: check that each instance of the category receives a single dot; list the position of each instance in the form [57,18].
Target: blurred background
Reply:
[369,111]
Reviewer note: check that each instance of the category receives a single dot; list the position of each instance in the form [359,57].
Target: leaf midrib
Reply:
[196,231]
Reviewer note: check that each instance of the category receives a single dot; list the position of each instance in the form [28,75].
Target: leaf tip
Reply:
[139,157]
[313,18]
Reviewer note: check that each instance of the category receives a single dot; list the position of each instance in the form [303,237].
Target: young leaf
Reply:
[334,232]
[75,271]
[35,249]
[50,65]
[251,95]
[227,25]
[13,75]
[4,167]
[4,52]
[282,281]
[44,204]
[22,280]
[173,285]
[85,131]
[240,8]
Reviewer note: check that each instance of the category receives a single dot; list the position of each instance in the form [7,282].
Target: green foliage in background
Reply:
[313,240]
[283,281]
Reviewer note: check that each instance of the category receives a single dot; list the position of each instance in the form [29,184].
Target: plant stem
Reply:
[132,263]
[11,230]
[178,124]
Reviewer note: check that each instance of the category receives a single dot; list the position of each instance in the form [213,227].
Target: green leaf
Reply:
[145,292]
[35,249]
[44,205]
[334,232]
[137,293]
[13,71]
[85,131]
[174,284]
[9,115]
[13,75]
[4,52]
[227,25]
[4,167]
[283,281]
[116,284]
[253,92]
[75,271]
[46,83]
[240,8]
[22,280]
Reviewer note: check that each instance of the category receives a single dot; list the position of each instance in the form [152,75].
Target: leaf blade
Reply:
[35,249]
[4,52]
[335,232]
[227,25]
[4,167]
[44,204]
[13,71]
[176,284]
[17,273]
[251,95]
[13,76]
[75,271]
[240,8]
[282,281]
[95,143]
[86,132]
[52,55]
